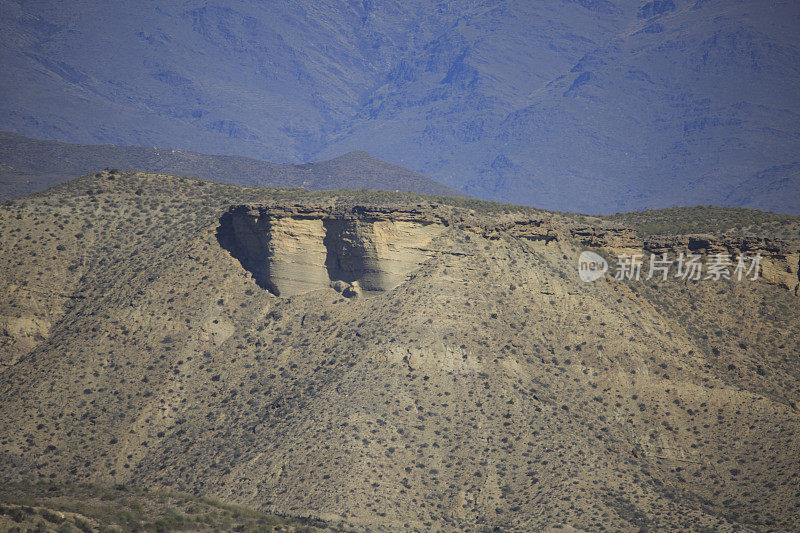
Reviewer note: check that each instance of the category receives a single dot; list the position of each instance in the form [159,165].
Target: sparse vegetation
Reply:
[492,388]
[88,507]
[712,220]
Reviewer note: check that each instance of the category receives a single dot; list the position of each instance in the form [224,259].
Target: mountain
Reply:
[391,361]
[579,105]
[28,165]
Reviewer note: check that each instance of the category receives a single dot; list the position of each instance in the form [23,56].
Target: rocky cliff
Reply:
[779,264]
[295,248]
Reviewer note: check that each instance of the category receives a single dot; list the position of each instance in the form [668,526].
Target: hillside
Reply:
[633,103]
[28,165]
[428,363]
[710,219]
[46,507]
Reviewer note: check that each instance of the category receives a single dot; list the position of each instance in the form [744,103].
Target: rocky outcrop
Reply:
[779,264]
[605,237]
[701,243]
[533,229]
[296,248]
[292,249]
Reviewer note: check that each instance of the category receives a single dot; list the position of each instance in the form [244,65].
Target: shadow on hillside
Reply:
[252,255]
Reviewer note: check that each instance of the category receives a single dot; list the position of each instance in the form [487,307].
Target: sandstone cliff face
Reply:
[285,255]
[296,249]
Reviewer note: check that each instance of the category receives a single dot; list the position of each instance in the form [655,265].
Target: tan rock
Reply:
[297,249]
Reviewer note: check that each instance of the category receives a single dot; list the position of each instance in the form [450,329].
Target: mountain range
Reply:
[582,105]
[29,165]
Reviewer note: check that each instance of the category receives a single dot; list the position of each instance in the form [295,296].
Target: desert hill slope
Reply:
[477,384]
[29,165]
[52,507]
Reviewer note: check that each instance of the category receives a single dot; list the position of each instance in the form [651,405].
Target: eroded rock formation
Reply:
[292,249]
[779,263]
[296,248]
[605,237]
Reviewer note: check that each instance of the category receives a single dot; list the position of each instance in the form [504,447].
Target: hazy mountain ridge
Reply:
[490,388]
[28,165]
[632,104]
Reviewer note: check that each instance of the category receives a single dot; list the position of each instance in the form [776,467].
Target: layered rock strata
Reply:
[779,264]
[293,249]
[779,261]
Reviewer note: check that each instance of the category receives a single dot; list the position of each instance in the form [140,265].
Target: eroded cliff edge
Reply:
[294,248]
[779,263]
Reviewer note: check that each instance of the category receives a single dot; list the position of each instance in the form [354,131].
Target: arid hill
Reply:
[391,361]
[29,165]
[48,507]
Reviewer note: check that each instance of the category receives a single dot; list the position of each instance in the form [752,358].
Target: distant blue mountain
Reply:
[583,105]
[29,165]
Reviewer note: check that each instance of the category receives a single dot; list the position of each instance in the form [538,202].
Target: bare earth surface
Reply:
[477,384]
